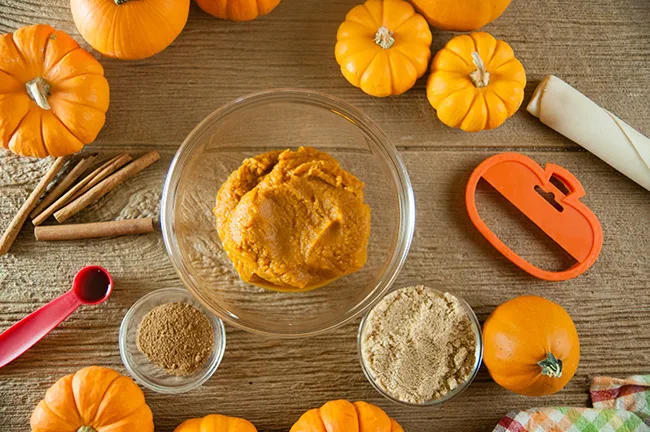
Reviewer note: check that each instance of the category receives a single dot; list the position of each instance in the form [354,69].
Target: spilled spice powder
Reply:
[177,337]
[418,344]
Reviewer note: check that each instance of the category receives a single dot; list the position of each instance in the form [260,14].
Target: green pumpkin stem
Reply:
[384,38]
[39,89]
[551,366]
[119,2]
[86,429]
[480,77]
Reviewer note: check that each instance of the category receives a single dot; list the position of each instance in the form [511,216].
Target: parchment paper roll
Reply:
[569,112]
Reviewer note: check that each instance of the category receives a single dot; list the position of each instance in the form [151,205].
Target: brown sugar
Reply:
[177,337]
[418,344]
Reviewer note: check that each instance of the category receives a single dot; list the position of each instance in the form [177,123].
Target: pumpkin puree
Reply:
[293,221]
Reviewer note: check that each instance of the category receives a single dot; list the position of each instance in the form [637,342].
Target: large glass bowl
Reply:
[281,119]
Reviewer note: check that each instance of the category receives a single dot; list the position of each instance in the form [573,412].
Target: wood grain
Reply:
[599,46]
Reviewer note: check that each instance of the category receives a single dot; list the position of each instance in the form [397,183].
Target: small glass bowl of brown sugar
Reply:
[170,343]
[420,346]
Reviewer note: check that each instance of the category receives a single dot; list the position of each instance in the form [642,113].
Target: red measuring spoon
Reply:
[91,286]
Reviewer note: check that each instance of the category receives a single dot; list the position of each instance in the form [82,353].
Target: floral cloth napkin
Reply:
[620,405]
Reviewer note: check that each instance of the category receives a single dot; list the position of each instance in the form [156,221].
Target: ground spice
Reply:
[418,344]
[177,337]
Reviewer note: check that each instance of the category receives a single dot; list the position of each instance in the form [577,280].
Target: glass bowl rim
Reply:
[219,348]
[406,199]
[478,354]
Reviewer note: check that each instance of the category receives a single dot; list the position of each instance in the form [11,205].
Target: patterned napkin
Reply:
[620,405]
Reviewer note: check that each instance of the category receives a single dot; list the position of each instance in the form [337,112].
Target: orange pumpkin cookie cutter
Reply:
[569,222]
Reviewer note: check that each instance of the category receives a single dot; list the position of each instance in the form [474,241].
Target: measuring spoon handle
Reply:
[21,336]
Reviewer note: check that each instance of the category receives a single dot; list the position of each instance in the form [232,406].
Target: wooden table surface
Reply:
[602,47]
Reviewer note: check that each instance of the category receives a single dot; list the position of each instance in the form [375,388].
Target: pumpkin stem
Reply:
[551,366]
[119,2]
[384,38]
[86,429]
[480,77]
[39,89]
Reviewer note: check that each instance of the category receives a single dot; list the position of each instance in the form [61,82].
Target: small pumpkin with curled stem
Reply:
[341,415]
[53,93]
[460,15]
[216,423]
[383,47]
[95,399]
[130,29]
[237,10]
[531,346]
[476,83]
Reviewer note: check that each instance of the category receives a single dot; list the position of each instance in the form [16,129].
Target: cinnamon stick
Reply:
[93,230]
[107,169]
[16,224]
[94,178]
[106,185]
[67,181]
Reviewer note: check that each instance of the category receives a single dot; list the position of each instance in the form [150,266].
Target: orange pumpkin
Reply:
[53,94]
[383,47]
[476,82]
[130,29]
[216,423]
[341,415]
[238,10]
[531,346]
[461,15]
[95,399]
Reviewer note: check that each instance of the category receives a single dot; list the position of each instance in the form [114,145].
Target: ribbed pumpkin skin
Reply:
[238,10]
[78,93]
[458,101]
[97,398]
[132,30]
[519,334]
[344,416]
[383,67]
[461,15]
[216,423]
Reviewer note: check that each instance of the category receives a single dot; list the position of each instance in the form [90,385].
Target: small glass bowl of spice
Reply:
[170,343]
[420,346]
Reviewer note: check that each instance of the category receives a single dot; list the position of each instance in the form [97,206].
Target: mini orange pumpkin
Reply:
[461,15]
[476,82]
[383,47]
[53,94]
[341,415]
[130,29]
[95,399]
[531,346]
[216,423]
[238,10]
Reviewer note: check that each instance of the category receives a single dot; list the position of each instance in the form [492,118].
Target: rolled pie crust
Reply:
[569,112]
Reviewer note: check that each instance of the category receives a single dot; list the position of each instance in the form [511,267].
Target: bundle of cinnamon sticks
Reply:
[75,191]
